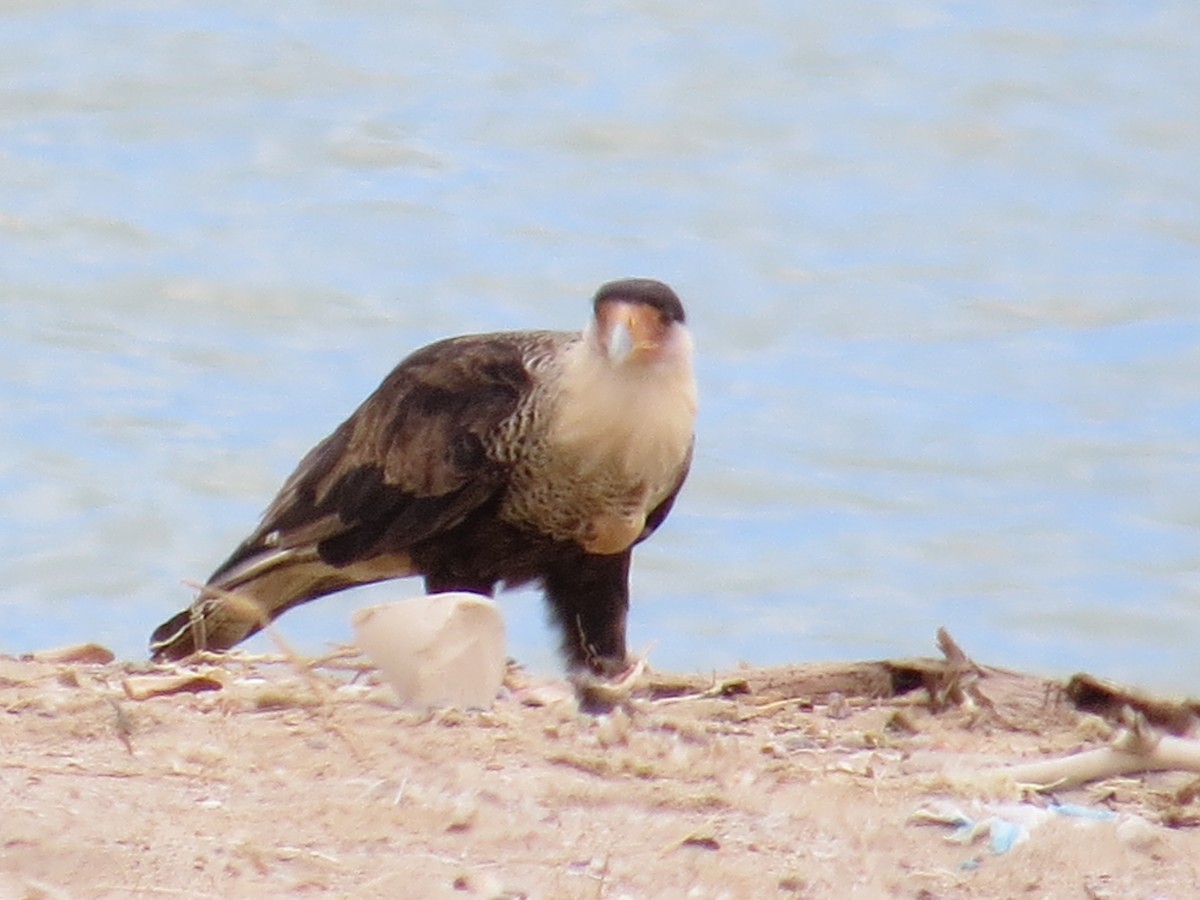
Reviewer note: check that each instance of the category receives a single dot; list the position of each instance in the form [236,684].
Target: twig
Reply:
[765,709]
[703,837]
[41,769]
[727,688]
[1138,749]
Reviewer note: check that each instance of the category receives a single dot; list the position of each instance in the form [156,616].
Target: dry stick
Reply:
[303,669]
[766,709]
[286,654]
[79,769]
[718,689]
[1135,750]
[334,659]
[225,657]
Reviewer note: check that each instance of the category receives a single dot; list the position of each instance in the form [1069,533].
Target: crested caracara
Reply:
[487,460]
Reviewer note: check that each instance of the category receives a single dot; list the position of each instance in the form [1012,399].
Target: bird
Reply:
[484,462]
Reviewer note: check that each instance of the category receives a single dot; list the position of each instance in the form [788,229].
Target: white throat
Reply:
[637,415]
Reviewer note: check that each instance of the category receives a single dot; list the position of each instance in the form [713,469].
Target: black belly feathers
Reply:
[417,482]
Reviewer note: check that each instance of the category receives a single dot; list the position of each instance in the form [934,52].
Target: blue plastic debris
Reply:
[1004,825]
[1083,812]
[1005,835]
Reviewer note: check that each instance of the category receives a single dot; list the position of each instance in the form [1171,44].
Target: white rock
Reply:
[437,650]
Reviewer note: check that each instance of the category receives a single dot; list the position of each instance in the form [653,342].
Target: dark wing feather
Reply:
[409,463]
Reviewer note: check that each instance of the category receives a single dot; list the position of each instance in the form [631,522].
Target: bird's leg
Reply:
[589,600]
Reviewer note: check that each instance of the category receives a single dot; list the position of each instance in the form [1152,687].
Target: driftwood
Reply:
[957,682]
[1141,746]
[954,681]
[817,683]
[143,687]
[1110,700]
[80,654]
[1138,749]
[813,682]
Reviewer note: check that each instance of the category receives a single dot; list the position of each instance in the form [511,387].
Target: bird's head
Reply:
[627,390]
[638,321]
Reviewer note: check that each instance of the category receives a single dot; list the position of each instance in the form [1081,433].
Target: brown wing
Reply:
[409,463]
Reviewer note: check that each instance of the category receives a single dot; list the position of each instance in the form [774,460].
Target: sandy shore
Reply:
[251,777]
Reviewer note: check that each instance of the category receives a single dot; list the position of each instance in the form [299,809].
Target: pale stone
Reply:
[437,650]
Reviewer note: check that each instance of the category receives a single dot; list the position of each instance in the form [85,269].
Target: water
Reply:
[941,264]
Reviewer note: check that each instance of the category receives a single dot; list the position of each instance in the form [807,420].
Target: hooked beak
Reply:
[630,331]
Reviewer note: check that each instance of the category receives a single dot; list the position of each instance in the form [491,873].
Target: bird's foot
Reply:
[607,683]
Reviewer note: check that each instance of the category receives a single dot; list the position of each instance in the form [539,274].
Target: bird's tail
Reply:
[247,593]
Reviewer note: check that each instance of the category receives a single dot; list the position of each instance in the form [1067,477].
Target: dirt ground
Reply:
[250,777]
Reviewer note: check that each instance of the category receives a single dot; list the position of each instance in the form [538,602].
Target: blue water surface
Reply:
[941,264]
